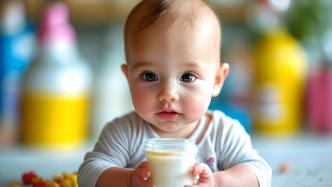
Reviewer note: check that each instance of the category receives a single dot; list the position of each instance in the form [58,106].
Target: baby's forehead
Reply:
[144,25]
[185,14]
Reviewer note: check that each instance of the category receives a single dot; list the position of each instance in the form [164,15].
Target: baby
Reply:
[173,69]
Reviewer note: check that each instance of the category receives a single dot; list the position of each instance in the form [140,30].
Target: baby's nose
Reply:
[168,93]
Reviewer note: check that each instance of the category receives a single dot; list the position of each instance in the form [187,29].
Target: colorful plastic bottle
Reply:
[55,100]
[16,51]
[279,76]
[319,99]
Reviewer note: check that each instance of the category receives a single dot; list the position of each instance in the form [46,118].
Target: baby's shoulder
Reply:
[126,122]
[220,118]
[222,122]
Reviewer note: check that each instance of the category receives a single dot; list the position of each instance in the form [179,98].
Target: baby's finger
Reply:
[143,165]
[199,168]
[194,185]
[144,173]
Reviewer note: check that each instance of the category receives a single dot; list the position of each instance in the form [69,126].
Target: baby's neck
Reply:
[182,133]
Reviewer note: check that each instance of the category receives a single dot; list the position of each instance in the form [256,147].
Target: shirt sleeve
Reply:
[237,149]
[111,150]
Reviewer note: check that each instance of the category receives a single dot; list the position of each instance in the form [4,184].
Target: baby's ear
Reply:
[221,75]
[124,68]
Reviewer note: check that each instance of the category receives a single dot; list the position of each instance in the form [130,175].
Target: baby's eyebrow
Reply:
[186,64]
[139,65]
[193,65]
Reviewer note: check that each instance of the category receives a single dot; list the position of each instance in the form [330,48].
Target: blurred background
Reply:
[61,82]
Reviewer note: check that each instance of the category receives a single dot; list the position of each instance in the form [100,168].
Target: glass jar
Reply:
[170,161]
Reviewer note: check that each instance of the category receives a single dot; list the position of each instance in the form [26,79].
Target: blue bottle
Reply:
[16,52]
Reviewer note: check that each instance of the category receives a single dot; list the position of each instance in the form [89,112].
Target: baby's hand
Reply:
[141,176]
[205,176]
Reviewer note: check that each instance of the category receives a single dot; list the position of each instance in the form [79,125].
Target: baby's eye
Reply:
[188,77]
[149,76]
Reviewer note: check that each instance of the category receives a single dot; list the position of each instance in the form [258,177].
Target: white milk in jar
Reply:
[170,161]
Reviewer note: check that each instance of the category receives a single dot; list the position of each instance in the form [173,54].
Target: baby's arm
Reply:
[240,175]
[116,177]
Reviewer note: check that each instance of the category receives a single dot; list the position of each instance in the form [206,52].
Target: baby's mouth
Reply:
[168,114]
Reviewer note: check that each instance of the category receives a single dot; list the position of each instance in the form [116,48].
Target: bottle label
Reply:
[269,107]
[54,120]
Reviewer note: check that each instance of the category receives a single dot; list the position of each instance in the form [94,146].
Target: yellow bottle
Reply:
[55,93]
[279,75]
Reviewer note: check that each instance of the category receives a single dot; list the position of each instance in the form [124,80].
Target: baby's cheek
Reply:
[197,107]
[141,102]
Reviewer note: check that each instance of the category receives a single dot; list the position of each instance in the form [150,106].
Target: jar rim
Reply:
[169,144]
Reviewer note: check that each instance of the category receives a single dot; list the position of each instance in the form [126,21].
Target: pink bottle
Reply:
[319,100]
[55,27]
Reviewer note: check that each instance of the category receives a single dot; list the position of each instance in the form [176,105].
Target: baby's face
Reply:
[171,74]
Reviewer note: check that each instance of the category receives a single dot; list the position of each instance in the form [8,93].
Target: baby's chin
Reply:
[174,129]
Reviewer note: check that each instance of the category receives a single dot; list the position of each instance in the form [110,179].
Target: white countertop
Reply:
[309,158]
[46,163]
